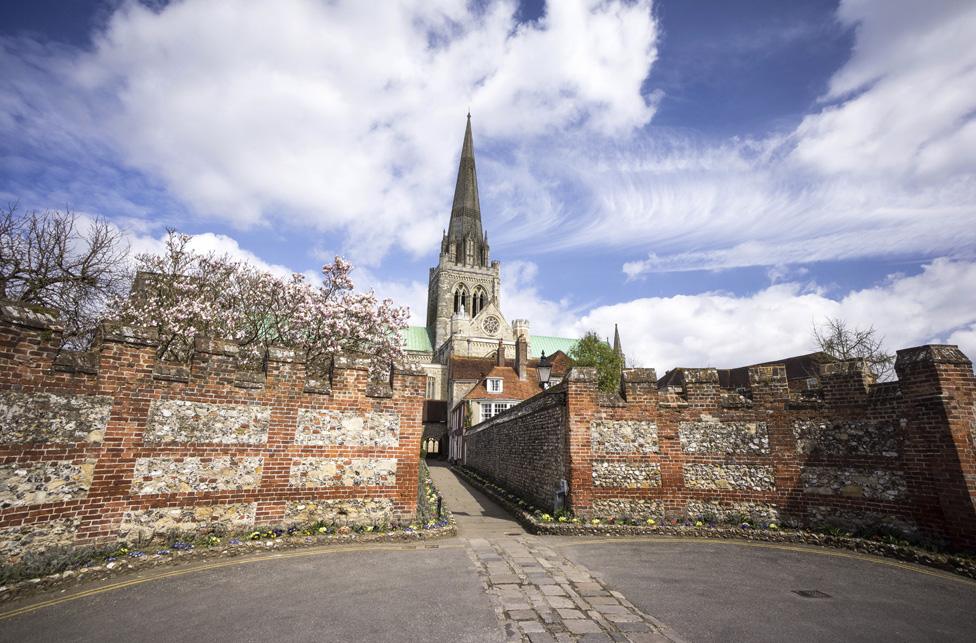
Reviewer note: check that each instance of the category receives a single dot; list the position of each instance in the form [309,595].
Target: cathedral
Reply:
[477,362]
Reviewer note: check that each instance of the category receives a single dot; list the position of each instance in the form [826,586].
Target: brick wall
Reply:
[115,444]
[855,454]
[526,451]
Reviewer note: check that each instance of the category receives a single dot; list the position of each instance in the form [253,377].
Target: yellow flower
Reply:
[322,530]
[773,525]
[651,521]
[698,523]
[595,521]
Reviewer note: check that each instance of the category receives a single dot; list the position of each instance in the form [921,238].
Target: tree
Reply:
[60,260]
[182,294]
[839,339]
[593,351]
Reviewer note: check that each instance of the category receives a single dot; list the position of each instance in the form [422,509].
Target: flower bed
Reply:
[538,522]
[70,565]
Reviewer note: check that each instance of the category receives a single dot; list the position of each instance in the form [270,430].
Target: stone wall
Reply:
[115,445]
[898,456]
[524,449]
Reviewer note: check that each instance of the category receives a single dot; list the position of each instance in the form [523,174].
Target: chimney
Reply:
[500,355]
[521,356]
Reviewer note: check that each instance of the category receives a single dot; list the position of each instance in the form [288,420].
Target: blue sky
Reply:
[714,176]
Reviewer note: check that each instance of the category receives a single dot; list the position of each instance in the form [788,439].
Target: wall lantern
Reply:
[545,369]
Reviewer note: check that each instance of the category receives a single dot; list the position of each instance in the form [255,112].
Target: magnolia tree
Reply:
[183,293]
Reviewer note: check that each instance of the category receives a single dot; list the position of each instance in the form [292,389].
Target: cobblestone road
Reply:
[538,594]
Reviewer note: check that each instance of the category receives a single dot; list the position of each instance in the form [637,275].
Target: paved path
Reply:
[495,583]
[538,594]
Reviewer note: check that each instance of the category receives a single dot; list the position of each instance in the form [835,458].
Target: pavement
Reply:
[494,582]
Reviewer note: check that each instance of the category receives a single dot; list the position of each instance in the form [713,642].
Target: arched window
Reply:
[478,300]
[461,299]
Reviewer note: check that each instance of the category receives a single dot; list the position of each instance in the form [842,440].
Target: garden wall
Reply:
[114,444]
[895,456]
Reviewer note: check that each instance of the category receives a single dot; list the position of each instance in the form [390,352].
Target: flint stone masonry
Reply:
[618,507]
[195,475]
[875,484]
[805,432]
[37,537]
[146,524]
[52,418]
[712,436]
[626,475]
[343,472]
[756,513]
[860,521]
[623,436]
[846,437]
[34,483]
[729,476]
[122,445]
[183,421]
[352,512]
[327,427]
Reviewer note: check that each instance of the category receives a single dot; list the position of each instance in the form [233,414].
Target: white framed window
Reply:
[494,385]
[491,409]
[431,388]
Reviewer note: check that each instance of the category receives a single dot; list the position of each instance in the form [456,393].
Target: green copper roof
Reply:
[416,338]
[540,343]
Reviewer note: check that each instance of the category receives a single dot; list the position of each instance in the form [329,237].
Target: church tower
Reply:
[464,289]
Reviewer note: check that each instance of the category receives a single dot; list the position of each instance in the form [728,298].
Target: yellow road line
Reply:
[214,565]
[806,549]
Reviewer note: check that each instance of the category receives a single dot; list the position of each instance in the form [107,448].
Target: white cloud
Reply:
[725,330]
[885,165]
[204,243]
[906,89]
[335,116]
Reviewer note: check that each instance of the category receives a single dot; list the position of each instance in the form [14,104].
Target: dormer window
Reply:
[494,385]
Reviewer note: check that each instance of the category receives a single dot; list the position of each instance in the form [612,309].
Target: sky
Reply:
[715,177]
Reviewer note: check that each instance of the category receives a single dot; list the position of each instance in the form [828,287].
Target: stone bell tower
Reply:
[465,283]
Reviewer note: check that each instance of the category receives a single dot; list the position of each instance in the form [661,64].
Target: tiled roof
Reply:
[470,368]
[416,338]
[474,368]
[512,387]
[544,343]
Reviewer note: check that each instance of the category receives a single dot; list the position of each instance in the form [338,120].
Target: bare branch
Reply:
[60,260]
[840,340]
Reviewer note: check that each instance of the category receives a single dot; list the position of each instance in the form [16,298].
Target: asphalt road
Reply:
[723,591]
[702,590]
[373,595]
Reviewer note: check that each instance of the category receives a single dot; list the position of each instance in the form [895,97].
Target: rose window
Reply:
[490,325]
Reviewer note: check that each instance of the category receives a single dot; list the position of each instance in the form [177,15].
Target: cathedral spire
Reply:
[617,348]
[465,228]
